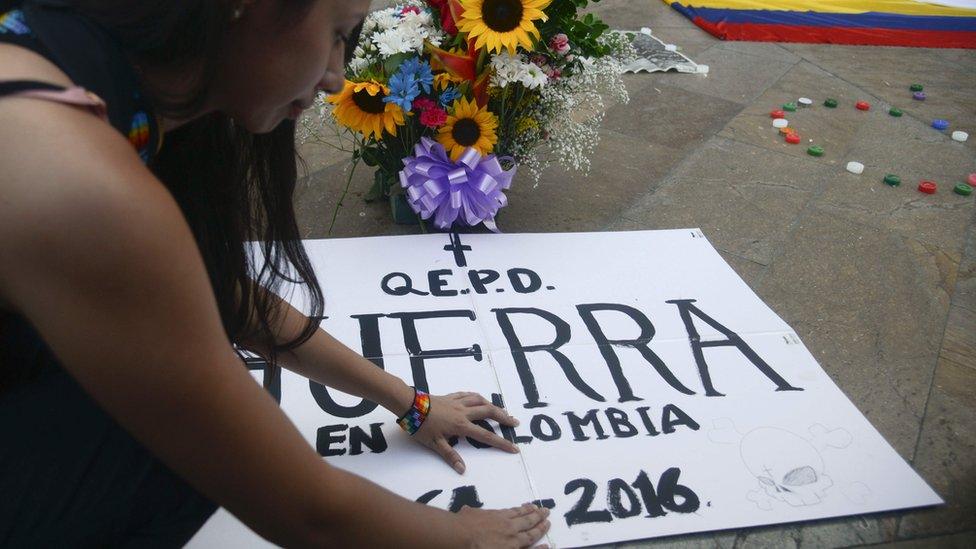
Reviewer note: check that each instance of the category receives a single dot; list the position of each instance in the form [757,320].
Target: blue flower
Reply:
[403,90]
[449,96]
[420,71]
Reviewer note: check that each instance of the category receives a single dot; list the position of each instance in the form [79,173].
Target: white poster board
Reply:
[657,394]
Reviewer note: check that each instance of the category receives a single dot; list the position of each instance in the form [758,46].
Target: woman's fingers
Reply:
[487,437]
[490,411]
[530,520]
[449,454]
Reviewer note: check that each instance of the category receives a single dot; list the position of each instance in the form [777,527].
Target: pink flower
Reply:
[434,117]
[423,104]
[559,44]
[553,73]
[410,9]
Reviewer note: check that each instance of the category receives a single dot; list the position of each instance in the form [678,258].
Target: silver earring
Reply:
[238,12]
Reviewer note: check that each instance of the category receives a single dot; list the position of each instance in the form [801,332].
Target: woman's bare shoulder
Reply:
[68,179]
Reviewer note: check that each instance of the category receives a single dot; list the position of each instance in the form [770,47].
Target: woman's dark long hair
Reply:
[232,186]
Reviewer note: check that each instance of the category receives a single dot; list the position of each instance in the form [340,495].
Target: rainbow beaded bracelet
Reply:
[415,416]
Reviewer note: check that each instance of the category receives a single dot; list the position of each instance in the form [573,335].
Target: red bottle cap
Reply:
[927,187]
[863,106]
[972,179]
[777,114]
[793,139]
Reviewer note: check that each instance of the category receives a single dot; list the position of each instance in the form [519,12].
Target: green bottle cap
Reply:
[963,189]
[831,103]
[916,87]
[815,150]
[791,107]
[895,111]
[892,180]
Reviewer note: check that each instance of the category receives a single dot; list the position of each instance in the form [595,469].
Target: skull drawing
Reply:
[786,465]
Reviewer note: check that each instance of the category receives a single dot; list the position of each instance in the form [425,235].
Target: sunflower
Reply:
[360,106]
[502,24]
[468,126]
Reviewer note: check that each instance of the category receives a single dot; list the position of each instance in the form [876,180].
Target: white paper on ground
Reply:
[657,394]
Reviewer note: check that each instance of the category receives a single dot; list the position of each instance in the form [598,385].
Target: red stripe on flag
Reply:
[839,35]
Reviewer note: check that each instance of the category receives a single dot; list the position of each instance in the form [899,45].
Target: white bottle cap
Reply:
[805,101]
[855,168]
[960,136]
[780,123]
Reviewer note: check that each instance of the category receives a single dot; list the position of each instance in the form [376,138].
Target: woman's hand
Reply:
[454,415]
[516,527]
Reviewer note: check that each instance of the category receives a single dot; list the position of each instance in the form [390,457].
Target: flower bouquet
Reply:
[447,98]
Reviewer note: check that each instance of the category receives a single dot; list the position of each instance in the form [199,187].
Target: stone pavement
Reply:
[879,282]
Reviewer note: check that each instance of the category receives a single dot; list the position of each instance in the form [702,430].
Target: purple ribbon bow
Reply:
[469,190]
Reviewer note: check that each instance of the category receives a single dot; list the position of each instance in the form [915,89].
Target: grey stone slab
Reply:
[962,540]
[844,532]
[770,50]
[888,72]
[946,448]
[871,307]
[317,197]
[708,540]
[630,14]
[833,129]
[919,153]
[623,169]
[663,114]
[725,79]
[743,198]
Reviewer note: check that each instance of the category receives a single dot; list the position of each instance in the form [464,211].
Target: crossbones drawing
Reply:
[788,467]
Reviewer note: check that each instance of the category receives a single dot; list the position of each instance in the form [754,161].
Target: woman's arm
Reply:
[96,255]
[326,360]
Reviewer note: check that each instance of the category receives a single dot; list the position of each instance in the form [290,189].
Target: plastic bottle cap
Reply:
[940,124]
[960,136]
[786,130]
[830,103]
[793,139]
[892,180]
[927,187]
[971,179]
[895,111]
[918,96]
[916,87]
[963,189]
[777,114]
[791,107]
[780,123]
[862,106]
[805,101]
[855,168]
[815,150]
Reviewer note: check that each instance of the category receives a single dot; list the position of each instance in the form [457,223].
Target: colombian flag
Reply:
[918,23]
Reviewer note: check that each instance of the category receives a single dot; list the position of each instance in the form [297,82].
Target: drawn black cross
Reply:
[458,250]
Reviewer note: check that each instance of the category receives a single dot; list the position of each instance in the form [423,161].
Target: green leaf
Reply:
[376,191]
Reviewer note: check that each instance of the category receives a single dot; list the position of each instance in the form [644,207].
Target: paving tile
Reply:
[664,114]
[946,448]
[871,307]
[724,79]
[832,129]
[623,170]
[316,197]
[887,73]
[828,533]
[963,540]
[741,196]
[630,14]
[710,540]
[919,153]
